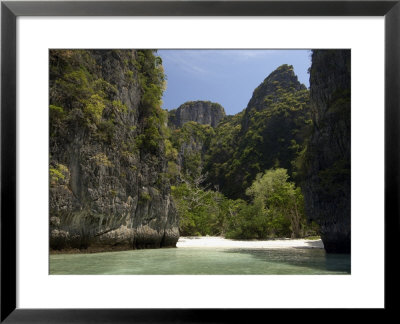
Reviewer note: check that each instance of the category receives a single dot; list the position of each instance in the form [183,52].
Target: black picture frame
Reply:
[10,10]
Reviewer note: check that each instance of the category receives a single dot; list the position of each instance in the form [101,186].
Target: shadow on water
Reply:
[311,258]
[338,261]
[313,244]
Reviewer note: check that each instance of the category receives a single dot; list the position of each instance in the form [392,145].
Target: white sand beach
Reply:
[220,242]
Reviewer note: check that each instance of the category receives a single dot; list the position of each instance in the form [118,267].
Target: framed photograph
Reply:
[246,154]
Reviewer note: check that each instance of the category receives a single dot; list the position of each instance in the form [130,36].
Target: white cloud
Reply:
[185,60]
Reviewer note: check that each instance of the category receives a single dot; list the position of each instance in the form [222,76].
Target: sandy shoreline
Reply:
[210,242]
[219,242]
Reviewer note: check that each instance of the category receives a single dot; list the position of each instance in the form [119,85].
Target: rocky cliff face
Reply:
[107,151]
[202,112]
[191,142]
[327,185]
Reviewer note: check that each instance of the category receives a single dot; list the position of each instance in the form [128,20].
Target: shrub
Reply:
[58,174]
[94,107]
[102,160]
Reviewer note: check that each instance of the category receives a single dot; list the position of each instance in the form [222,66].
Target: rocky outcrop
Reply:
[192,143]
[193,126]
[107,155]
[327,185]
[202,112]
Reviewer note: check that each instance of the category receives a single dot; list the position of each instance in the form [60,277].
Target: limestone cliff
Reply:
[107,151]
[327,185]
[202,112]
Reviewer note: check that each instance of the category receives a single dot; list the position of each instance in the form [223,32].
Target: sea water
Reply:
[203,260]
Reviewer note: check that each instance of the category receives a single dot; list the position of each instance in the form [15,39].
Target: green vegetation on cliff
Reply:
[81,99]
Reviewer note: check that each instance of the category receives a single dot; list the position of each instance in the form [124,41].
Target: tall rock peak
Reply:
[281,79]
[202,112]
[285,74]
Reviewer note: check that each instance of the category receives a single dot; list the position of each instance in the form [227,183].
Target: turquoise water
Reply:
[213,261]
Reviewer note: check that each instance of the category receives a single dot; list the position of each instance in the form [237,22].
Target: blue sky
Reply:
[228,77]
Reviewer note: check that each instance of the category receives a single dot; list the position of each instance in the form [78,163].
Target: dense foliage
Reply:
[221,150]
[152,82]
[275,209]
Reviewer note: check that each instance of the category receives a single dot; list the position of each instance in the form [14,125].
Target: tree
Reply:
[247,221]
[282,201]
[198,208]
